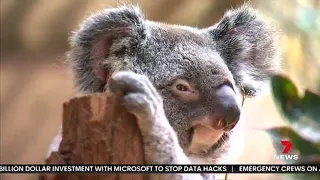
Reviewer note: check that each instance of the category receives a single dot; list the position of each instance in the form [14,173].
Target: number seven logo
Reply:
[287,146]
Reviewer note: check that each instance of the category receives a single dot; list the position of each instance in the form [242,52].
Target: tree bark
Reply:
[97,130]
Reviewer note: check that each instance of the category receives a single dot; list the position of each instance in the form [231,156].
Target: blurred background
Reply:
[35,81]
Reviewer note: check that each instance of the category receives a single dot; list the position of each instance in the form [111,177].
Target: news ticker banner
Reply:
[194,168]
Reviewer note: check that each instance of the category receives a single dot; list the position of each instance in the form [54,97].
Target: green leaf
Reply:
[302,113]
[299,144]
[286,95]
[311,105]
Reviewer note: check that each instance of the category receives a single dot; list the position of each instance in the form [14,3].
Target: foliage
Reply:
[302,114]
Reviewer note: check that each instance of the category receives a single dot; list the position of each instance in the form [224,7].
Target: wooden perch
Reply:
[96,130]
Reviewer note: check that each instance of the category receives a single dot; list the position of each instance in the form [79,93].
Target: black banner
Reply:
[193,168]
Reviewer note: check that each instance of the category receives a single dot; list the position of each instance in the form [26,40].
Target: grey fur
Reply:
[241,50]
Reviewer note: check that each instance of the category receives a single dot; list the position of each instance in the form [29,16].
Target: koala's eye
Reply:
[183,90]
[181,87]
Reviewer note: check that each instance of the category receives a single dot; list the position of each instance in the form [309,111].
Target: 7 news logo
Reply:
[285,153]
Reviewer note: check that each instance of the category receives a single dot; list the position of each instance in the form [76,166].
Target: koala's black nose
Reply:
[227,107]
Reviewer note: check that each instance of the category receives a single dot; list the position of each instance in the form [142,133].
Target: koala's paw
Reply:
[139,95]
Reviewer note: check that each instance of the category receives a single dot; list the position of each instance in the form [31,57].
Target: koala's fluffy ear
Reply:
[249,47]
[101,41]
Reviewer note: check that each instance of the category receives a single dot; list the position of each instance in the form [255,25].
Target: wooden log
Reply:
[97,130]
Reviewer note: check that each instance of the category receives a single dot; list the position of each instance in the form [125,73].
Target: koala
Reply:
[185,85]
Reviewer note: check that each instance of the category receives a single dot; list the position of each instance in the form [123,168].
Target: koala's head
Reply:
[202,74]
